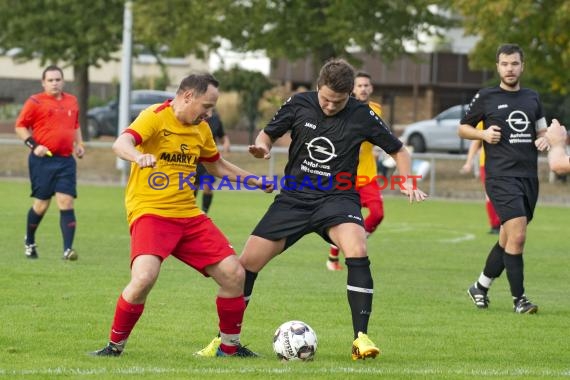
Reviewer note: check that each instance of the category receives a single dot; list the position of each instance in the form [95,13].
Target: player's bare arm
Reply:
[542,143]
[404,165]
[79,147]
[473,149]
[225,169]
[39,150]
[491,135]
[558,159]
[262,147]
[124,147]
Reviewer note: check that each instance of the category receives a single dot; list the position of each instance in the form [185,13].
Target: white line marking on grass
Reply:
[464,237]
[397,227]
[430,229]
[519,372]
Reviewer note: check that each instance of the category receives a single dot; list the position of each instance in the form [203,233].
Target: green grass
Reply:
[424,256]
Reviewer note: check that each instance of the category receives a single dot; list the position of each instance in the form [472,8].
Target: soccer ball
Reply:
[295,340]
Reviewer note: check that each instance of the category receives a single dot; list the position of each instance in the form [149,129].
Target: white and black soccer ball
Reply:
[295,340]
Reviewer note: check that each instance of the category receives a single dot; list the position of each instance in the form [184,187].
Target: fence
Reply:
[442,179]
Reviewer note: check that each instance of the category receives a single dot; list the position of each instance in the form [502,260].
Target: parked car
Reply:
[104,120]
[437,134]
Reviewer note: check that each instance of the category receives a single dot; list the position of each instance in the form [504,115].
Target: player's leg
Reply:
[34,217]
[266,242]
[256,253]
[494,220]
[42,180]
[67,223]
[130,305]
[230,303]
[371,199]
[282,225]
[333,263]
[374,217]
[198,184]
[152,240]
[514,200]
[65,193]
[351,238]
[494,266]
[207,197]
[514,264]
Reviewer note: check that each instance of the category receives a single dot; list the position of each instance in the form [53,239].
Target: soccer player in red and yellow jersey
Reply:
[370,193]
[477,145]
[49,125]
[164,145]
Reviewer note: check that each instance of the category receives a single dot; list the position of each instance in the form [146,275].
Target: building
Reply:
[19,80]
[414,87]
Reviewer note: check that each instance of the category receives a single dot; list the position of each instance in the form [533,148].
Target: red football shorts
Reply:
[370,193]
[195,241]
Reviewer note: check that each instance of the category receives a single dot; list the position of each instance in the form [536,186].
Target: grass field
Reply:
[423,256]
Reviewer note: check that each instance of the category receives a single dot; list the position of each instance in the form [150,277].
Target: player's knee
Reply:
[144,279]
[40,207]
[356,250]
[139,287]
[233,277]
[517,239]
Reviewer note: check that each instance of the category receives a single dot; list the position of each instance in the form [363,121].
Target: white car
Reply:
[437,134]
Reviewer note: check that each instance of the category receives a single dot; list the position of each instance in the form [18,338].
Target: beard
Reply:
[510,82]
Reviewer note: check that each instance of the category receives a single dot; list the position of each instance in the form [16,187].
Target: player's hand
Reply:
[492,135]
[542,144]
[412,192]
[146,161]
[267,187]
[259,151]
[42,151]
[80,151]
[556,133]
[465,169]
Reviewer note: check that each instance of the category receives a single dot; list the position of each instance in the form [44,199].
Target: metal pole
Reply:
[432,178]
[125,88]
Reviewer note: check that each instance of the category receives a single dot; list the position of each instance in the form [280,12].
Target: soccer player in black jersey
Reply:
[558,159]
[514,129]
[204,181]
[318,195]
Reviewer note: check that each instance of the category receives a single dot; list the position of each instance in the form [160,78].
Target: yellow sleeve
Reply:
[482,152]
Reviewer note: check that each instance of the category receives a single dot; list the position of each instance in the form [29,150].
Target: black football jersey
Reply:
[323,155]
[519,114]
[216,126]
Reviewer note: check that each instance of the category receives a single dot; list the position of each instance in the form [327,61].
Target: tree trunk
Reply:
[81,78]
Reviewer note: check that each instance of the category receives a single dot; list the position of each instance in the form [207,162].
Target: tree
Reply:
[177,27]
[538,26]
[250,85]
[322,29]
[65,32]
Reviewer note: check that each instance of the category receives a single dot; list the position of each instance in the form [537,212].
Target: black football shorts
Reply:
[292,217]
[513,197]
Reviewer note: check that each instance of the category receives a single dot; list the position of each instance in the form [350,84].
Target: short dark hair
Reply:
[509,49]
[338,75]
[363,74]
[51,68]
[197,82]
